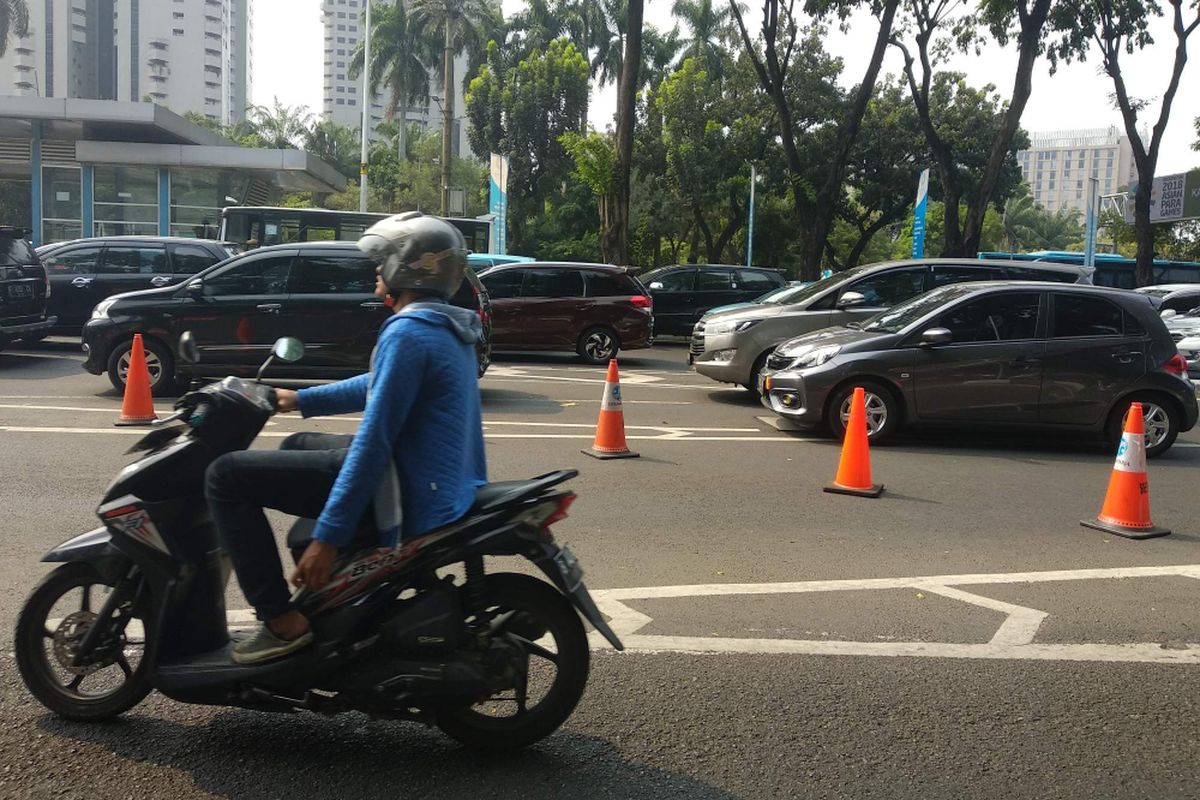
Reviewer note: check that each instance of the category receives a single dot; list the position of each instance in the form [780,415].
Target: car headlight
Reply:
[101,309]
[808,355]
[737,326]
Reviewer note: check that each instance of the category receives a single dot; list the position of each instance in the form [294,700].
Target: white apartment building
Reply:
[343,21]
[1058,164]
[187,55]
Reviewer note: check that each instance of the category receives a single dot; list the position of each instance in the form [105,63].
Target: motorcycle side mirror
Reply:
[288,349]
[188,351]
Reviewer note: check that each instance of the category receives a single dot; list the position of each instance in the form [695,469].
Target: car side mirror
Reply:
[655,286]
[195,288]
[936,336]
[1167,313]
[851,299]
[188,351]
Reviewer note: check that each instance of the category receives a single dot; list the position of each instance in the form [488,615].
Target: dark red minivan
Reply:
[592,309]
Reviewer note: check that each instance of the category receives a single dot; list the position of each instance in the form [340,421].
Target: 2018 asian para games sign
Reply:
[1172,198]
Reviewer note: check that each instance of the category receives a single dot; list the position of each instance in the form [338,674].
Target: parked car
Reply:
[24,290]
[732,346]
[993,353]
[320,292]
[593,309]
[684,292]
[1189,348]
[1161,290]
[1181,301]
[85,271]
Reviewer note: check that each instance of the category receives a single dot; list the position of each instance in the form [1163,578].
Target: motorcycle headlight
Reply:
[808,355]
[737,326]
[101,309]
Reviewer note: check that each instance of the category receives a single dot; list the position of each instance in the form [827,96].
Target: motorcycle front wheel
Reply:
[533,614]
[50,628]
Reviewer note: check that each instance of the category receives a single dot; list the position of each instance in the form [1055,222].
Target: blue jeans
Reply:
[295,479]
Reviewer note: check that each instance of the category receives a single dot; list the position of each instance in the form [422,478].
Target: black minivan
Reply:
[682,293]
[320,292]
[24,290]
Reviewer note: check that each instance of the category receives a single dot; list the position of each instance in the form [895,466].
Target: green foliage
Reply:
[336,145]
[14,21]
[401,57]
[280,126]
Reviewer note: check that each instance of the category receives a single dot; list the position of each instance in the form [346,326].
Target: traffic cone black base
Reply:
[607,456]
[874,491]
[1120,530]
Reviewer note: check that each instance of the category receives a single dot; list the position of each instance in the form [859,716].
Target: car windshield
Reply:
[799,294]
[781,296]
[896,318]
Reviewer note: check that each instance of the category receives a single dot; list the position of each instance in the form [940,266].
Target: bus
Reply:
[1112,269]
[258,226]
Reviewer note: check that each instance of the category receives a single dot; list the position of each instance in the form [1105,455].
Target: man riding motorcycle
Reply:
[418,455]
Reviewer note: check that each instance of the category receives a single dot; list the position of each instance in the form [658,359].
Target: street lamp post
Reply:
[366,111]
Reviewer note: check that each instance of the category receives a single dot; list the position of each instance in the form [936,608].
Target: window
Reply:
[177,14]
[995,318]
[681,281]
[753,281]
[190,259]
[341,102]
[1181,303]
[503,284]
[943,276]
[889,287]
[134,261]
[713,280]
[177,31]
[334,274]
[553,283]
[607,284]
[81,261]
[1079,315]
[260,276]
[1034,274]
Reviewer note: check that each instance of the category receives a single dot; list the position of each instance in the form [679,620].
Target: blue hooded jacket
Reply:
[421,411]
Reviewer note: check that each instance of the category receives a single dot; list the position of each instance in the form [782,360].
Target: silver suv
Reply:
[733,346]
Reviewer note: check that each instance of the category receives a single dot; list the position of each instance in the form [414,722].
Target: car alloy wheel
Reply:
[599,346]
[153,364]
[877,412]
[1157,422]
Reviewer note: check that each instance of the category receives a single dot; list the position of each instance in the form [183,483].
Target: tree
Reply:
[399,60]
[523,111]
[14,21]
[587,23]
[709,27]
[1116,27]
[336,145]
[815,204]
[280,126]
[615,237]
[464,29]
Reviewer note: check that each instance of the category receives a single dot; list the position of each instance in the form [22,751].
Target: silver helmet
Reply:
[418,252]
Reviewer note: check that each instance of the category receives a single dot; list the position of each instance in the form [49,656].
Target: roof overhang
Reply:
[115,120]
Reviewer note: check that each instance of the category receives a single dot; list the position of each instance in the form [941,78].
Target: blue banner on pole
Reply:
[918,250]
[498,204]
[1091,222]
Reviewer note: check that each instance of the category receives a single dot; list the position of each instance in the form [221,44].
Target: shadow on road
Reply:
[525,402]
[240,754]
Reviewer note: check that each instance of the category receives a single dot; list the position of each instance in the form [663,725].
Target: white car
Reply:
[1189,348]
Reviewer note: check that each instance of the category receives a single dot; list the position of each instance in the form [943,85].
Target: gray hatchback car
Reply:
[993,353]
[732,346]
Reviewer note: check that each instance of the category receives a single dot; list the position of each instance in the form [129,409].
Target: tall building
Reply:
[343,31]
[1058,164]
[187,55]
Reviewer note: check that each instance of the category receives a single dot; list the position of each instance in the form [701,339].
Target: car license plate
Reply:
[20,291]
[569,566]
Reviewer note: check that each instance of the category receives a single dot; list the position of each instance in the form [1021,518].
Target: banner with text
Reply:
[918,250]
[498,203]
[1172,198]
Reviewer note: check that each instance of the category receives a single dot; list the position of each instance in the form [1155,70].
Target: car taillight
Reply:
[642,301]
[1176,365]
[559,514]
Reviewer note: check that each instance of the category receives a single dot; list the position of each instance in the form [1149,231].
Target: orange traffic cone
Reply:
[854,470]
[1126,509]
[610,430]
[137,408]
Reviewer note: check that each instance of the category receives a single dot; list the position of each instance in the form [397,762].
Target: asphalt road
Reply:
[962,636]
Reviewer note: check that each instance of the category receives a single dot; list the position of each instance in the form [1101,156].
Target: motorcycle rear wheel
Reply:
[542,608]
[39,641]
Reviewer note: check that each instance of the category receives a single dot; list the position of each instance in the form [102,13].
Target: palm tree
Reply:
[708,26]
[587,24]
[462,25]
[399,59]
[536,27]
[14,21]
[659,52]
[281,126]
[1018,221]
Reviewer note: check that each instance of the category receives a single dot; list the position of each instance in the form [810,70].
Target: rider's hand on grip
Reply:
[286,400]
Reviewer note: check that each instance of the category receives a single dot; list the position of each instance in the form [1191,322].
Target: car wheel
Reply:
[159,363]
[1160,417]
[883,410]
[598,345]
[759,363]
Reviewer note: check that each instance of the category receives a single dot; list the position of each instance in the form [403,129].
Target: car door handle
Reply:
[160,280]
[1126,358]
[269,308]
[371,304]
[81,282]
[1025,361]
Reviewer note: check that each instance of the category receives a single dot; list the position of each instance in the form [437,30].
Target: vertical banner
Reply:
[750,227]
[918,250]
[498,203]
[1091,222]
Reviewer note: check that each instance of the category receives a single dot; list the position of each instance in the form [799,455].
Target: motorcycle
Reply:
[496,661]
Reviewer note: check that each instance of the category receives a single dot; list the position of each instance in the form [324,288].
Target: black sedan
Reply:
[321,293]
[998,353]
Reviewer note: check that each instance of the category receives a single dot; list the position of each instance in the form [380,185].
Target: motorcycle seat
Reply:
[503,493]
